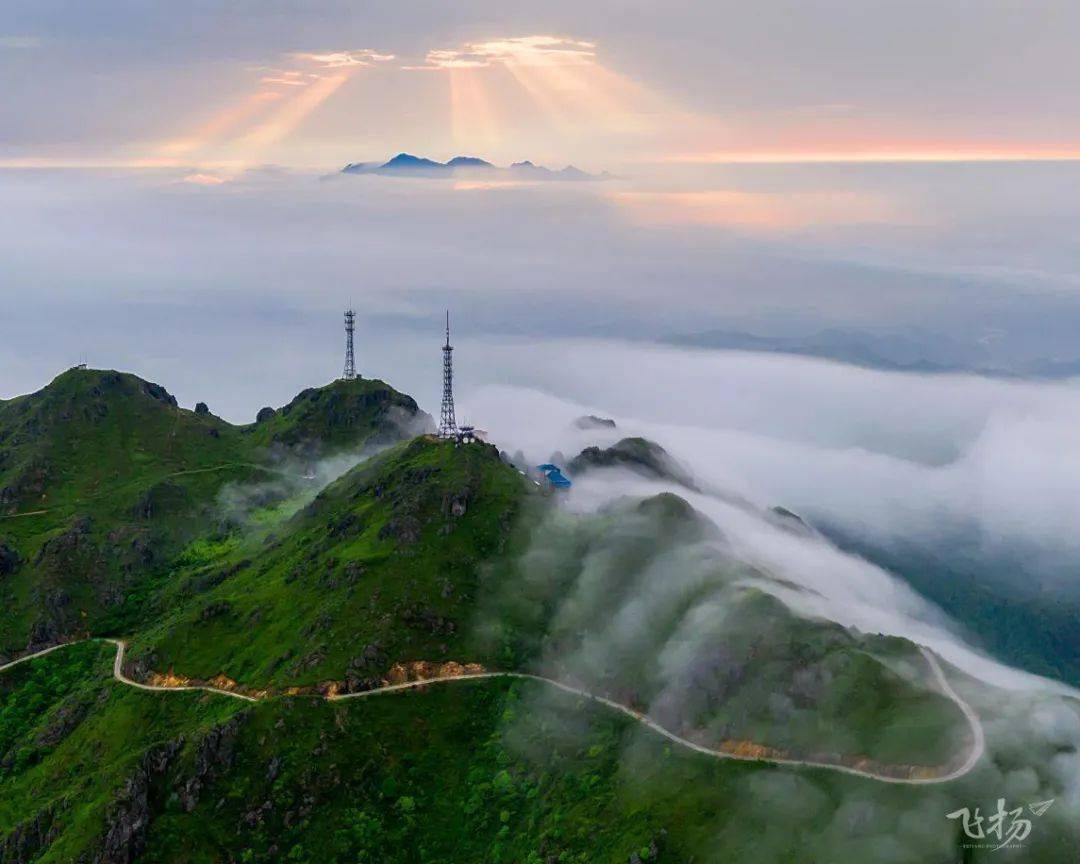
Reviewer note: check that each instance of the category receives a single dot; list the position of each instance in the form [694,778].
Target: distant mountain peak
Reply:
[406,164]
[469,162]
[407,160]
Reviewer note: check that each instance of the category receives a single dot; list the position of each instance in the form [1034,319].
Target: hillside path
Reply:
[975,752]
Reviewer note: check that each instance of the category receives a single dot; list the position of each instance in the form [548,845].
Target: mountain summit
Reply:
[408,165]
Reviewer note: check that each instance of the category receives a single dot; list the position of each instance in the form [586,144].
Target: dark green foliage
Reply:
[602,599]
[636,454]
[104,481]
[341,414]
[486,771]
[201,543]
[383,566]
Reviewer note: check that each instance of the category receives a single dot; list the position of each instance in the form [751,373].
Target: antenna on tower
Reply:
[350,359]
[447,424]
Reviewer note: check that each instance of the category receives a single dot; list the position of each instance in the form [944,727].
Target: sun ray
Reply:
[290,114]
[225,121]
[473,119]
[554,112]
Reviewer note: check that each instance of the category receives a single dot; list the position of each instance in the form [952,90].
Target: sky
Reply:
[606,84]
[781,168]
[171,205]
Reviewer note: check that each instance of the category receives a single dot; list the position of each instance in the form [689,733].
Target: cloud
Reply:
[676,618]
[516,51]
[290,79]
[341,59]
[889,453]
[757,210]
[203,179]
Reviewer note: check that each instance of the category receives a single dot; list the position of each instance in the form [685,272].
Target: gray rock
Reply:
[9,559]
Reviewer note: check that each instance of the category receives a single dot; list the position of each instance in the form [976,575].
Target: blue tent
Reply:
[554,475]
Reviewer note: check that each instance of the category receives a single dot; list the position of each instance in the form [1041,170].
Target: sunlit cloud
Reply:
[286,79]
[756,210]
[487,185]
[951,153]
[284,98]
[522,50]
[544,86]
[341,59]
[203,179]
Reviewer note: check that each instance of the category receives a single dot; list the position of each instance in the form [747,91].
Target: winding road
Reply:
[975,752]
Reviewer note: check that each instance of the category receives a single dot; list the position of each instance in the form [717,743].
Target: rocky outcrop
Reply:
[404,530]
[265,414]
[426,619]
[63,545]
[159,393]
[636,454]
[9,559]
[29,485]
[789,520]
[161,499]
[26,841]
[591,421]
[215,754]
[129,816]
[63,721]
[216,609]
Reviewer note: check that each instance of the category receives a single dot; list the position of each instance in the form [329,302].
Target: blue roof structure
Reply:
[554,476]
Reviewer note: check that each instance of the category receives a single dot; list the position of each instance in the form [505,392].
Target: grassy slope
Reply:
[403,556]
[388,557]
[602,599]
[341,415]
[467,772]
[104,480]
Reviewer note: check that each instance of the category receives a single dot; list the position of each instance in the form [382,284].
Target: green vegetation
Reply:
[748,669]
[382,567]
[105,481]
[210,548]
[486,771]
[635,454]
[342,415]
[66,770]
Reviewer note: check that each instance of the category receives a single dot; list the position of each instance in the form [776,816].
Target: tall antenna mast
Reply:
[350,360]
[447,424]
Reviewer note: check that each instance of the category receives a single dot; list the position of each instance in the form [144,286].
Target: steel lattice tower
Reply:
[447,424]
[350,360]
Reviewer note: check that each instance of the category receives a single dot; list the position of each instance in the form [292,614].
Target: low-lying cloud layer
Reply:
[886,454]
[857,447]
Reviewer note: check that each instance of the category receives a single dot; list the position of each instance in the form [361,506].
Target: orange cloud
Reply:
[341,59]
[755,210]
[522,50]
[943,153]
[201,179]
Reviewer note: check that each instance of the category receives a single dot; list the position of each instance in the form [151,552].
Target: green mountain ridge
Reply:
[382,566]
[105,480]
[213,551]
